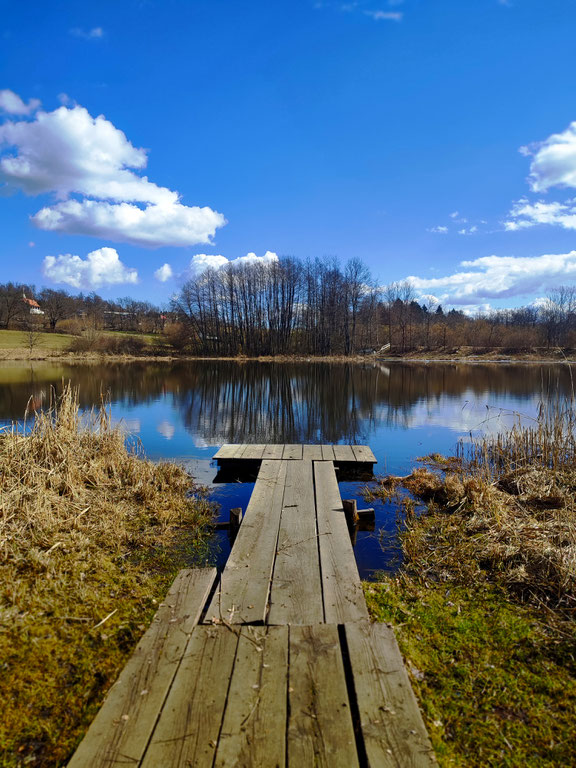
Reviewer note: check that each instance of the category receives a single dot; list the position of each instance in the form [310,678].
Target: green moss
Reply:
[495,681]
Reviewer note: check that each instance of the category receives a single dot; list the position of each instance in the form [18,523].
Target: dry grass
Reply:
[505,510]
[88,529]
[484,604]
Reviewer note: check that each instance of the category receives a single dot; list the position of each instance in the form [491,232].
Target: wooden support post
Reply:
[351,511]
[366,514]
[235,520]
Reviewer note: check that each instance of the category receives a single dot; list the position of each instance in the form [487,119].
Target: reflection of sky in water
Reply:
[403,412]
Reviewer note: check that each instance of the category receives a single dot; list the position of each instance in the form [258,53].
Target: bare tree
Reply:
[56,305]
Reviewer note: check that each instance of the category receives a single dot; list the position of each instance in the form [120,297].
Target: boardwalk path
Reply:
[276,663]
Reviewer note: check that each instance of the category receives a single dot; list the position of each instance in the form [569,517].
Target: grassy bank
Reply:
[126,346]
[484,606]
[91,536]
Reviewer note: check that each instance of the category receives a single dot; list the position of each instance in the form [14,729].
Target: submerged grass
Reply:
[484,606]
[91,535]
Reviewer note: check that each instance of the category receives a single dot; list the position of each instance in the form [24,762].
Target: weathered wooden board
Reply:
[189,725]
[364,454]
[328,452]
[341,586]
[242,595]
[320,730]
[228,451]
[293,452]
[312,452]
[121,729]
[296,593]
[344,453]
[392,726]
[254,727]
[273,451]
[253,452]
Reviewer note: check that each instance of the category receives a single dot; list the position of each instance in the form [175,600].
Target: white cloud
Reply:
[525,214]
[385,15]
[454,214]
[202,261]
[68,152]
[554,161]
[153,226]
[101,267]
[468,230]
[96,33]
[439,230]
[166,429]
[11,103]
[164,273]
[499,277]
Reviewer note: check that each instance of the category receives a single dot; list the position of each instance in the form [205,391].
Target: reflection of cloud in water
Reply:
[201,442]
[131,426]
[464,415]
[166,429]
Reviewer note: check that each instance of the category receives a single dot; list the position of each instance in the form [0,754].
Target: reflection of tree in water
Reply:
[285,403]
[222,401]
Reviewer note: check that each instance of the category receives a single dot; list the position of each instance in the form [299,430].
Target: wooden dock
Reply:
[275,663]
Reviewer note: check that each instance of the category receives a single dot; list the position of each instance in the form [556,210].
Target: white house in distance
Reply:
[33,306]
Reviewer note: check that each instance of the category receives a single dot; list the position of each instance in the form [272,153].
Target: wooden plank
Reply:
[364,454]
[272,451]
[312,452]
[328,452]
[188,728]
[254,727]
[392,726]
[320,730]
[253,451]
[344,453]
[341,586]
[228,451]
[122,727]
[292,452]
[296,593]
[242,596]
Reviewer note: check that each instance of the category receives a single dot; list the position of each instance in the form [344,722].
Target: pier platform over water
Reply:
[274,662]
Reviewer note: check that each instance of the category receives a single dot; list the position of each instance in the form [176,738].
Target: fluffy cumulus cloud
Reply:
[499,277]
[554,161]
[100,268]
[164,273]
[203,261]
[11,103]
[525,214]
[68,153]
[153,226]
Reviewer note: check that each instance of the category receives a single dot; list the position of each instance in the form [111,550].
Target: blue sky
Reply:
[385,130]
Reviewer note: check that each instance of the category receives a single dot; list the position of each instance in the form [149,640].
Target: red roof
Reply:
[31,302]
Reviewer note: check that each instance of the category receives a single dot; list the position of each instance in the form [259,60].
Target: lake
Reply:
[186,410]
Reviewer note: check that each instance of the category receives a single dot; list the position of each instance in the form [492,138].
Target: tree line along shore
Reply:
[317,308]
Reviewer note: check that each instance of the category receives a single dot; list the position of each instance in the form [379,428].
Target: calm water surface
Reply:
[185,411]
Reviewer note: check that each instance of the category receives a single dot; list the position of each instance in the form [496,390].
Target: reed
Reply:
[483,605]
[91,534]
[503,510]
